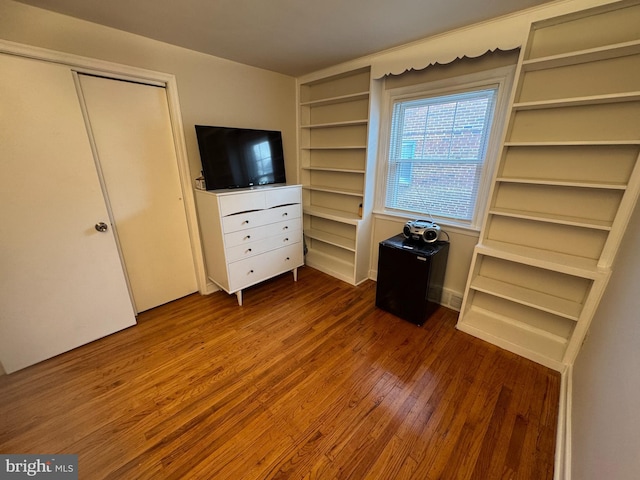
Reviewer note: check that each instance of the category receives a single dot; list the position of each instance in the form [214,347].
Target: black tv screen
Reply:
[240,157]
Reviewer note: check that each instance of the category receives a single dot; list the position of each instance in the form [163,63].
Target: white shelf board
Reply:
[530,298]
[573,143]
[547,259]
[563,183]
[582,56]
[578,101]
[536,345]
[332,239]
[341,147]
[330,265]
[341,191]
[345,123]
[332,214]
[549,218]
[338,99]
[338,170]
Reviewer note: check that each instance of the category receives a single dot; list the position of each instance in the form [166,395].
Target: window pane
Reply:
[437,150]
[436,188]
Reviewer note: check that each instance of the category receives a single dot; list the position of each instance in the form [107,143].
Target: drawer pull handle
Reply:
[286,227]
[247,237]
[250,272]
[285,214]
[286,239]
[246,221]
[287,258]
[248,250]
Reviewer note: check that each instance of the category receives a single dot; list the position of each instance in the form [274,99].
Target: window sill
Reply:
[449,227]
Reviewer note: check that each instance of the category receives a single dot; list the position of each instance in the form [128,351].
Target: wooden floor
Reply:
[307,380]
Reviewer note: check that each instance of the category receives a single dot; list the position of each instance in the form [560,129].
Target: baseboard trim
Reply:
[562,465]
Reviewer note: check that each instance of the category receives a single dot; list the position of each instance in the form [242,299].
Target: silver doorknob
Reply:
[101,227]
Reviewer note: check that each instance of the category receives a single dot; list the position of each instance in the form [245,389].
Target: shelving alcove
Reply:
[335,172]
[565,188]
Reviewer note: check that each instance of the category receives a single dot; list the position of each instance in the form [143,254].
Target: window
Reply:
[441,144]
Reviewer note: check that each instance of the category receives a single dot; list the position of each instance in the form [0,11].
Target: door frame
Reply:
[150,77]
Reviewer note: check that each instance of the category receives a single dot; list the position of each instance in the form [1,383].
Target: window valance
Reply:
[472,42]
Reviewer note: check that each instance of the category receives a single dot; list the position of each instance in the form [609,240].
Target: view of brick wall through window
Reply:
[440,148]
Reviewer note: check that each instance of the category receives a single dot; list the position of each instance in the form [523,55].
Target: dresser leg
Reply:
[295,274]
[239,295]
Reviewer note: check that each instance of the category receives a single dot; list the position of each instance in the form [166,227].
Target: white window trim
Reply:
[503,77]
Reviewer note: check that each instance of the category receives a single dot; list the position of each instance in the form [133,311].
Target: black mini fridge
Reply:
[410,277]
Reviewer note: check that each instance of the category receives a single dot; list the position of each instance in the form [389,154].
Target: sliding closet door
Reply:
[61,282]
[131,130]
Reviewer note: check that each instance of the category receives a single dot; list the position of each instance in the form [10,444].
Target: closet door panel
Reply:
[62,283]
[130,125]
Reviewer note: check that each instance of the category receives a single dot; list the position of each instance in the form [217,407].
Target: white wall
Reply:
[212,91]
[606,376]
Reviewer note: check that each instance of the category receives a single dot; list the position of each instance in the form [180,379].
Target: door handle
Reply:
[102,227]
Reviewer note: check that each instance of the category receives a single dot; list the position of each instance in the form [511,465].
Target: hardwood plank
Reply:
[490,443]
[306,380]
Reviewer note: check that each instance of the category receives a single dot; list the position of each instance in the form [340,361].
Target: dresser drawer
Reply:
[250,271]
[243,221]
[283,196]
[278,240]
[246,250]
[281,227]
[249,235]
[278,214]
[242,202]
[245,236]
[246,220]
[283,239]
[248,201]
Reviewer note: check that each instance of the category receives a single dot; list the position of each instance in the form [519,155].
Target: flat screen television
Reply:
[240,157]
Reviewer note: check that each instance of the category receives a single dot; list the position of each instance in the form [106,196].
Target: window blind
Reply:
[437,151]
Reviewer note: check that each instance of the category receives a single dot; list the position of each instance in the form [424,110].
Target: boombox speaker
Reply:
[422,230]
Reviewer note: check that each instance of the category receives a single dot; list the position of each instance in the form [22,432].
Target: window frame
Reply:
[502,78]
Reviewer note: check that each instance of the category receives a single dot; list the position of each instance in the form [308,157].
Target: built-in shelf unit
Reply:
[566,185]
[335,173]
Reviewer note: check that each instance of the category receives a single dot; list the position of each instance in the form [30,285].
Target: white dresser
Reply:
[250,235]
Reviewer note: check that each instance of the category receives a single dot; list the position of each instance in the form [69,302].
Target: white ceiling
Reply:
[293,37]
